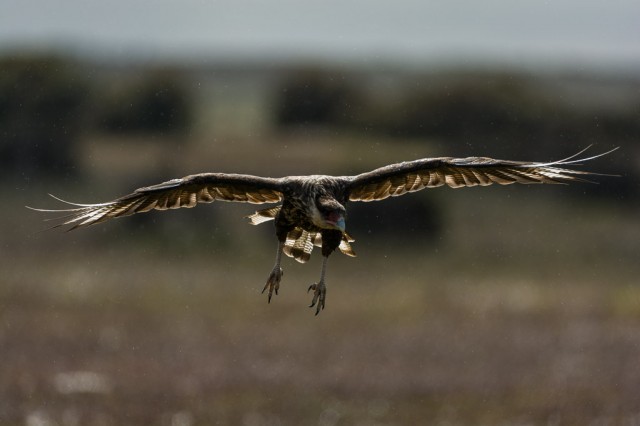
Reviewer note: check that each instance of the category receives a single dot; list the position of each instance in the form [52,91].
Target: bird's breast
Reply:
[297,211]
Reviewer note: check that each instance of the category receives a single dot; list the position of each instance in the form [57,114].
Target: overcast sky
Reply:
[565,32]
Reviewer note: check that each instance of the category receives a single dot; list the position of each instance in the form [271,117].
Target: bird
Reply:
[311,210]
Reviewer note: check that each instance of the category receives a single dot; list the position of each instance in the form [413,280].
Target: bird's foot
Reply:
[273,282]
[319,294]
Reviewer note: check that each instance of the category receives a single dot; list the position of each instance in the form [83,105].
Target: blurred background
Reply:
[501,305]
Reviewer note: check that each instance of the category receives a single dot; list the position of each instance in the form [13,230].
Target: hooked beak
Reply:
[337,222]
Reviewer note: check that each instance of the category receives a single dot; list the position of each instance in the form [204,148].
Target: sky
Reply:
[564,32]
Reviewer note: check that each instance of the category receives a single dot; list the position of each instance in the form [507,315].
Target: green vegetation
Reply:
[42,101]
[155,102]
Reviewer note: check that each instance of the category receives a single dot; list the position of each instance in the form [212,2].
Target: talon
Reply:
[319,295]
[315,294]
[273,282]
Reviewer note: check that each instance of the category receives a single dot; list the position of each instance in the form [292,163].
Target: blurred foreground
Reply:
[500,305]
[518,318]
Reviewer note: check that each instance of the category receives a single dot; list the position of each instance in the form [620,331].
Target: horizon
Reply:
[567,34]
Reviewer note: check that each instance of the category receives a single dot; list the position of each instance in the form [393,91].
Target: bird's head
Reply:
[329,214]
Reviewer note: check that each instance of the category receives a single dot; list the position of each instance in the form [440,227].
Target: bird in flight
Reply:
[312,209]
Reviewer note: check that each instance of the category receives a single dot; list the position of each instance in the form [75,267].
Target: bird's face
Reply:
[329,214]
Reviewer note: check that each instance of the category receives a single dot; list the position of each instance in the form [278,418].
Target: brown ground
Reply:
[525,311]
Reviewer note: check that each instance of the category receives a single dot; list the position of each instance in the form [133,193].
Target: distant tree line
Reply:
[509,112]
[157,101]
[42,112]
[47,103]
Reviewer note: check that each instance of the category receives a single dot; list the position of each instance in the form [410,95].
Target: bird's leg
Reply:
[273,282]
[319,289]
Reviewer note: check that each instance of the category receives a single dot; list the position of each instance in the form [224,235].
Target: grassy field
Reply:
[525,310]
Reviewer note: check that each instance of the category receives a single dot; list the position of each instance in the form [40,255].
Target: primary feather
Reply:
[312,210]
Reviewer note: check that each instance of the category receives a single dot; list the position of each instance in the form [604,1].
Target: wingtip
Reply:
[574,160]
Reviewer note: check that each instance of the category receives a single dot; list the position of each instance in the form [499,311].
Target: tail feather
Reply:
[300,243]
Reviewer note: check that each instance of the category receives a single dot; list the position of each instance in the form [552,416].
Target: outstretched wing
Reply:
[174,194]
[399,179]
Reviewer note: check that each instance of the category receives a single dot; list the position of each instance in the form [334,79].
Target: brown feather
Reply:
[178,193]
[263,215]
[398,179]
[298,194]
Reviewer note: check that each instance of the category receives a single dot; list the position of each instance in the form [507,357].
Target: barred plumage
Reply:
[312,210]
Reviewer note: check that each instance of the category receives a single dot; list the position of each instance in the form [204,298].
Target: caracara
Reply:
[312,209]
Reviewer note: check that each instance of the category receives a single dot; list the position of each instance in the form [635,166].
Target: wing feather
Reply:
[186,192]
[300,243]
[264,215]
[402,178]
